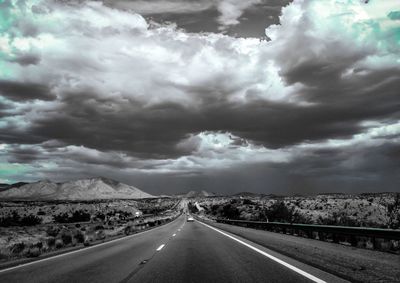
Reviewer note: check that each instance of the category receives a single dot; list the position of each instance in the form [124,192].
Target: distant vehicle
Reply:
[190,219]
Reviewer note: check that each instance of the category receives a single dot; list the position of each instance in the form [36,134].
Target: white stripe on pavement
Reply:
[295,269]
[173,235]
[160,247]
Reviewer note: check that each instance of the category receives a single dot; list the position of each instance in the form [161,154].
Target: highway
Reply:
[179,251]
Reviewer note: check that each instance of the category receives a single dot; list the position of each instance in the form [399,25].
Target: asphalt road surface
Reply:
[176,252]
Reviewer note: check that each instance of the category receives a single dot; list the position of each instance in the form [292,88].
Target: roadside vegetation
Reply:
[29,229]
[366,210]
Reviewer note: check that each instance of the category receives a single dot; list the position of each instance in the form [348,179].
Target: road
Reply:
[176,252]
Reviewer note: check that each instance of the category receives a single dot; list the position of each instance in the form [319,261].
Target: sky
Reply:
[266,96]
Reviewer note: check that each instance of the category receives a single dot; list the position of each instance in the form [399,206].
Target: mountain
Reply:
[246,194]
[194,194]
[4,187]
[84,189]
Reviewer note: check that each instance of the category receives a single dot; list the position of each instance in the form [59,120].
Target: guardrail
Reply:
[375,238]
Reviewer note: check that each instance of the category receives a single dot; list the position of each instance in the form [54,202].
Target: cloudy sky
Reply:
[267,96]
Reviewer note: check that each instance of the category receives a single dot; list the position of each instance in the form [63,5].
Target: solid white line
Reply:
[81,250]
[295,269]
[160,247]
[173,235]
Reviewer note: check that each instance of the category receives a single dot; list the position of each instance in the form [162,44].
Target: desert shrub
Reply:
[30,220]
[77,216]
[61,218]
[15,220]
[339,219]
[393,213]
[17,248]
[192,208]
[215,208]
[80,238]
[7,221]
[52,231]
[279,212]
[66,238]
[101,216]
[88,240]
[301,219]
[33,252]
[59,244]
[99,227]
[247,202]
[51,241]
[80,216]
[100,235]
[230,211]
[127,230]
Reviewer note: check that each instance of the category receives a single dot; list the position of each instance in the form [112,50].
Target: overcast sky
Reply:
[284,97]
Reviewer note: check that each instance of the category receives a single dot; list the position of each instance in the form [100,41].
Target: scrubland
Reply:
[29,229]
[365,210]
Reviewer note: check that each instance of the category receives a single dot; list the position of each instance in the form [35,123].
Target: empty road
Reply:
[176,252]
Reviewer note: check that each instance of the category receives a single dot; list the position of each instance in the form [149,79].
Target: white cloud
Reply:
[94,53]
[231,10]
[225,150]
[89,46]
[336,31]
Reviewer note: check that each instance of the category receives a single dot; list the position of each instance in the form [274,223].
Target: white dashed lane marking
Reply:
[160,248]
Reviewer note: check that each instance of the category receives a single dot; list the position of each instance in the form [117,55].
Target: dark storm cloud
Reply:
[22,91]
[155,131]
[23,154]
[27,59]
[351,169]
[312,173]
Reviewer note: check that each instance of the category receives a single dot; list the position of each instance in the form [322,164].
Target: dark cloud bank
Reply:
[195,105]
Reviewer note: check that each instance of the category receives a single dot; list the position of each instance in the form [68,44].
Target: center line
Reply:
[160,247]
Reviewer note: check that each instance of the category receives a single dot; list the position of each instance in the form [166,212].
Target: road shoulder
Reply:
[353,264]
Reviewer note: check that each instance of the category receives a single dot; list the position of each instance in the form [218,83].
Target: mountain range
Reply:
[84,189]
[202,193]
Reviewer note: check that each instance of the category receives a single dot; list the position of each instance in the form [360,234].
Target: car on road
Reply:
[190,219]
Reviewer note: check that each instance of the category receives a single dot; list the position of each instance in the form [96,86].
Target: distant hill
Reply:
[84,189]
[4,187]
[194,194]
[246,194]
